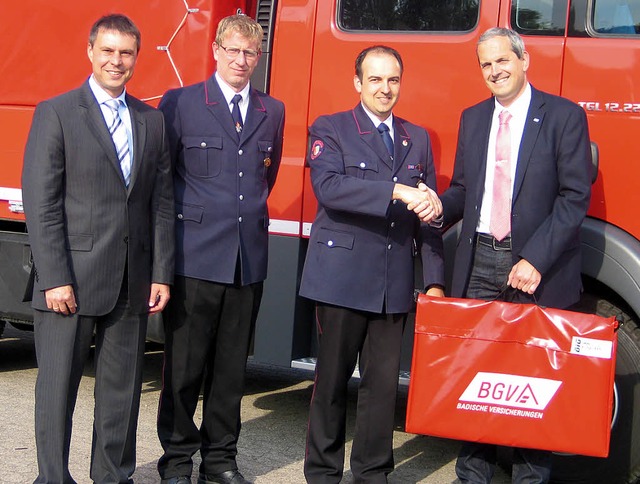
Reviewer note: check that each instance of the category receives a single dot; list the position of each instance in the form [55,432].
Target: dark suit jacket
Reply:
[84,224]
[222,183]
[361,251]
[551,193]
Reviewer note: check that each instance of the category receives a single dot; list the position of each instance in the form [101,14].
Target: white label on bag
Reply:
[598,348]
[510,390]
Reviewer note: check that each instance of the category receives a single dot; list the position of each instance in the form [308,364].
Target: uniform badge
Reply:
[267,162]
[316,149]
[414,167]
[405,142]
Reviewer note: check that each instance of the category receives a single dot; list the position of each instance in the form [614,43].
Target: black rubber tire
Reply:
[623,464]
[2,324]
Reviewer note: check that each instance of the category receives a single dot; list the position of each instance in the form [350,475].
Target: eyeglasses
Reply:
[234,52]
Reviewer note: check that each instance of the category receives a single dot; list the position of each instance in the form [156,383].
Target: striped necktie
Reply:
[118,132]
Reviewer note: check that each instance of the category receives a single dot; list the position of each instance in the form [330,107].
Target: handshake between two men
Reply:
[423,201]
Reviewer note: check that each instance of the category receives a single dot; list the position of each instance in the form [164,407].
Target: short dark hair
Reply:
[377,49]
[118,23]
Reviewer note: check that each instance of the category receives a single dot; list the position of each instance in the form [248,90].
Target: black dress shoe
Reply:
[177,480]
[227,477]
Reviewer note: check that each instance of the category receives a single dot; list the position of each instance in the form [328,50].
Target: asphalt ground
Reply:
[271,446]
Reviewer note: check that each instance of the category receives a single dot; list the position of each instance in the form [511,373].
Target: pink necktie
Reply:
[500,224]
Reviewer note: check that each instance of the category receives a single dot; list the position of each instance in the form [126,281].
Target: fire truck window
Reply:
[408,15]
[615,17]
[539,17]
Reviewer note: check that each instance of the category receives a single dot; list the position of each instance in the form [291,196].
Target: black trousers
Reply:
[62,347]
[208,329]
[345,335]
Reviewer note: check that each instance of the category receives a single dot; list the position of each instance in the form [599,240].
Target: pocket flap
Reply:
[193,213]
[80,242]
[203,142]
[333,238]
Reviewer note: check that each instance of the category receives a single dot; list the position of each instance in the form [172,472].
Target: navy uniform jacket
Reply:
[550,198]
[362,245]
[222,183]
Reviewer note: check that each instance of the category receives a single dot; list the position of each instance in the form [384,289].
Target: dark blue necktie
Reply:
[235,113]
[386,137]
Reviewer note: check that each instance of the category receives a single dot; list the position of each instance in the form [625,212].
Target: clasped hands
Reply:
[423,201]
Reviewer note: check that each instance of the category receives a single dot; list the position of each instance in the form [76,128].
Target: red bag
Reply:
[512,374]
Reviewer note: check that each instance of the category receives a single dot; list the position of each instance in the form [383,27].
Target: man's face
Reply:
[380,86]
[236,70]
[504,74]
[113,57]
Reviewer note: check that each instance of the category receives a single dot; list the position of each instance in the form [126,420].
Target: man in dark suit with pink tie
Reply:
[521,185]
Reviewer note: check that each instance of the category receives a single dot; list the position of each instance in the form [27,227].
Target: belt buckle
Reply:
[498,247]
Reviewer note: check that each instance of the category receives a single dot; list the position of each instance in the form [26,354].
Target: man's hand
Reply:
[61,299]
[158,298]
[524,277]
[423,201]
[435,291]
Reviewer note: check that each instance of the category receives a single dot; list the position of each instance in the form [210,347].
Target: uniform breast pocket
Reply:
[203,155]
[361,168]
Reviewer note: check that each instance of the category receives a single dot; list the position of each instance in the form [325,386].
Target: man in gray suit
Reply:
[98,200]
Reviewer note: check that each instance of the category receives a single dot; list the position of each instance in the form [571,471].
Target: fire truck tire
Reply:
[2,324]
[623,464]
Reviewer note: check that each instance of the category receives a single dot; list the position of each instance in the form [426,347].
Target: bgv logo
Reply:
[510,390]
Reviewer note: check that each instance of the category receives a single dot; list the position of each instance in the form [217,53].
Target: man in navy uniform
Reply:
[369,169]
[226,143]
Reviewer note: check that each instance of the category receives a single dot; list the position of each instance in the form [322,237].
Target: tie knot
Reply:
[236,99]
[504,117]
[383,127]
[113,104]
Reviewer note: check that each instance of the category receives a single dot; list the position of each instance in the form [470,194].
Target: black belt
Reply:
[491,241]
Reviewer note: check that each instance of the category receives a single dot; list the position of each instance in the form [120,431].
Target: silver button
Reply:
[395,201]
[363,164]
[239,219]
[269,149]
[241,197]
[203,145]
[330,243]
[240,152]
[240,174]
[180,216]
[395,178]
[393,224]
[389,246]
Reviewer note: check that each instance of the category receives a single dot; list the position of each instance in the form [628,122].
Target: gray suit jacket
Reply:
[85,226]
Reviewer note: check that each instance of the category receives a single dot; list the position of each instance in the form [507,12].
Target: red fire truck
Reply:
[585,50]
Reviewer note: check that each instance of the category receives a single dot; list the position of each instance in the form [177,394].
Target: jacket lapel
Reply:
[535,117]
[370,135]
[401,143]
[217,106]
[97,125]
[256,113]
[139,127]
[480,139]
